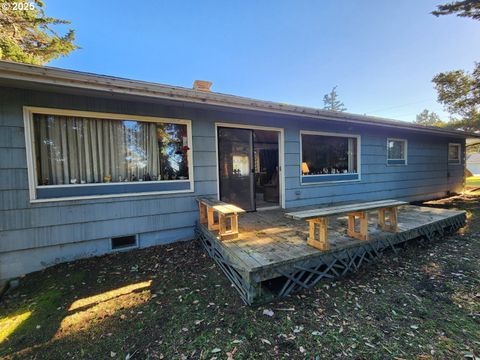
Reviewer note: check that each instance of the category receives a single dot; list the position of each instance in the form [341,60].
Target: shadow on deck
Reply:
[271,259]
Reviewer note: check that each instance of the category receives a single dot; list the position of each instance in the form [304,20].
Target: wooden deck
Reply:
[271,258]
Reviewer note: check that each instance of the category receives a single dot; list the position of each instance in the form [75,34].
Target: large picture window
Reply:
[329,157]
[78,154]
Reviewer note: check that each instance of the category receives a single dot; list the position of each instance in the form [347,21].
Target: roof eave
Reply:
[80,80]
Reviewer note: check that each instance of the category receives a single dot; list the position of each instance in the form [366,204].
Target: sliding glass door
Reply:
[236,172]
[248,162]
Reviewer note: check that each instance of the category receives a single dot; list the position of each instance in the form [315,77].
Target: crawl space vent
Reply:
[124,242]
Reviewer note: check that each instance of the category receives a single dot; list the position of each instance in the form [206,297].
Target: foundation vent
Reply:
[124,242]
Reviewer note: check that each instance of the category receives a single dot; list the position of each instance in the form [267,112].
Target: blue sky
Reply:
[381,54]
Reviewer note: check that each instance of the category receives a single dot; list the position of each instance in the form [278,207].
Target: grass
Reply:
[473,182]
[172,302]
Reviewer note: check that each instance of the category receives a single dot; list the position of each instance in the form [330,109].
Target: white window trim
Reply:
[405,141]
[28,112]
[459,152]
[321,133]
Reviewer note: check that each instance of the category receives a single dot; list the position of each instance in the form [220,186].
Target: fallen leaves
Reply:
[265,341]
[385,311]
[298,329]
[268,312]
[230,354]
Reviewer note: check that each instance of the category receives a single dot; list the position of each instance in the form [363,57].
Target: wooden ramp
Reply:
[271,259]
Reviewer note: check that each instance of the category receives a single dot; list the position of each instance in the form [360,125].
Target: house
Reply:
[91,164]
[473,164]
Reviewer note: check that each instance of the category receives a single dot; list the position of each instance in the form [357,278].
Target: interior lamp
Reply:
[305,169]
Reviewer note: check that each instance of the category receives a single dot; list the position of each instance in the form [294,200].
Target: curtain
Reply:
[352,155]
[76,150]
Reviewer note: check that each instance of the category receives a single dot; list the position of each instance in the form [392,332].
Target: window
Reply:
[454,153]
[78,154]
[396,151]
[329,157]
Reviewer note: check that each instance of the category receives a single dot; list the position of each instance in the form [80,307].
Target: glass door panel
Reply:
[236,173]
[267,181]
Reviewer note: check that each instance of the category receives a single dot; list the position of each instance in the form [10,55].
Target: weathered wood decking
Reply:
[271,258]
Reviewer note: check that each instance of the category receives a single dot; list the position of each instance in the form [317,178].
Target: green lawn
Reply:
[172,302]
[473,181]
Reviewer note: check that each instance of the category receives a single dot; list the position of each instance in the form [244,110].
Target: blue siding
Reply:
[395,162]
[34,235]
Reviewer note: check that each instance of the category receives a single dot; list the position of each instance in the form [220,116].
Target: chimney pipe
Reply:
[202,85]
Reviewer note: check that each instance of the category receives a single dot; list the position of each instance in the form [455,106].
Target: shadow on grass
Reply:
[55,312]
[121,303]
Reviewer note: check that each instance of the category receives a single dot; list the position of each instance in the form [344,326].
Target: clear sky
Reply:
[382,54]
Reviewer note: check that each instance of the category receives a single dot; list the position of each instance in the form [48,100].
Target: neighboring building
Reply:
[90,164]
[473,164]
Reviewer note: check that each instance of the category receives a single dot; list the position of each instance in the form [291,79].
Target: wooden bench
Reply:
[227,225]
[387,220]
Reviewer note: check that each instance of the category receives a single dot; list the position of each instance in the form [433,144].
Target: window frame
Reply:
[459,152]
[398,162]
[29,111]
[325,176]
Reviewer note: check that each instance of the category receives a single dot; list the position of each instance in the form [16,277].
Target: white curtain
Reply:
[86,150]
[352,155]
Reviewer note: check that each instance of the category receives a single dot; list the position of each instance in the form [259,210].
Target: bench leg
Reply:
[320,242]
[381,218]
[234,222]
[211,219]
[363,218]
[203,213]
[225,232]
[392,219]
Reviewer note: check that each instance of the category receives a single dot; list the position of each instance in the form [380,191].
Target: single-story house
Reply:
[91,164]
[473,163]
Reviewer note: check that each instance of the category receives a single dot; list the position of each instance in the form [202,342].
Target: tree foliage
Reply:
[465,8]
[27,35]
[459,92]
[331,102]
[429,119]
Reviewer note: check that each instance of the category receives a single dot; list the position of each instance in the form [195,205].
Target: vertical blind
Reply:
[79,150]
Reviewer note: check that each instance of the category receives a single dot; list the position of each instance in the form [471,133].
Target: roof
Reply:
[83,80]
[474,158]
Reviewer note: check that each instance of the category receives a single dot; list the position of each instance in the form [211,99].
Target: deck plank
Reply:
[271,245]
[269,238]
